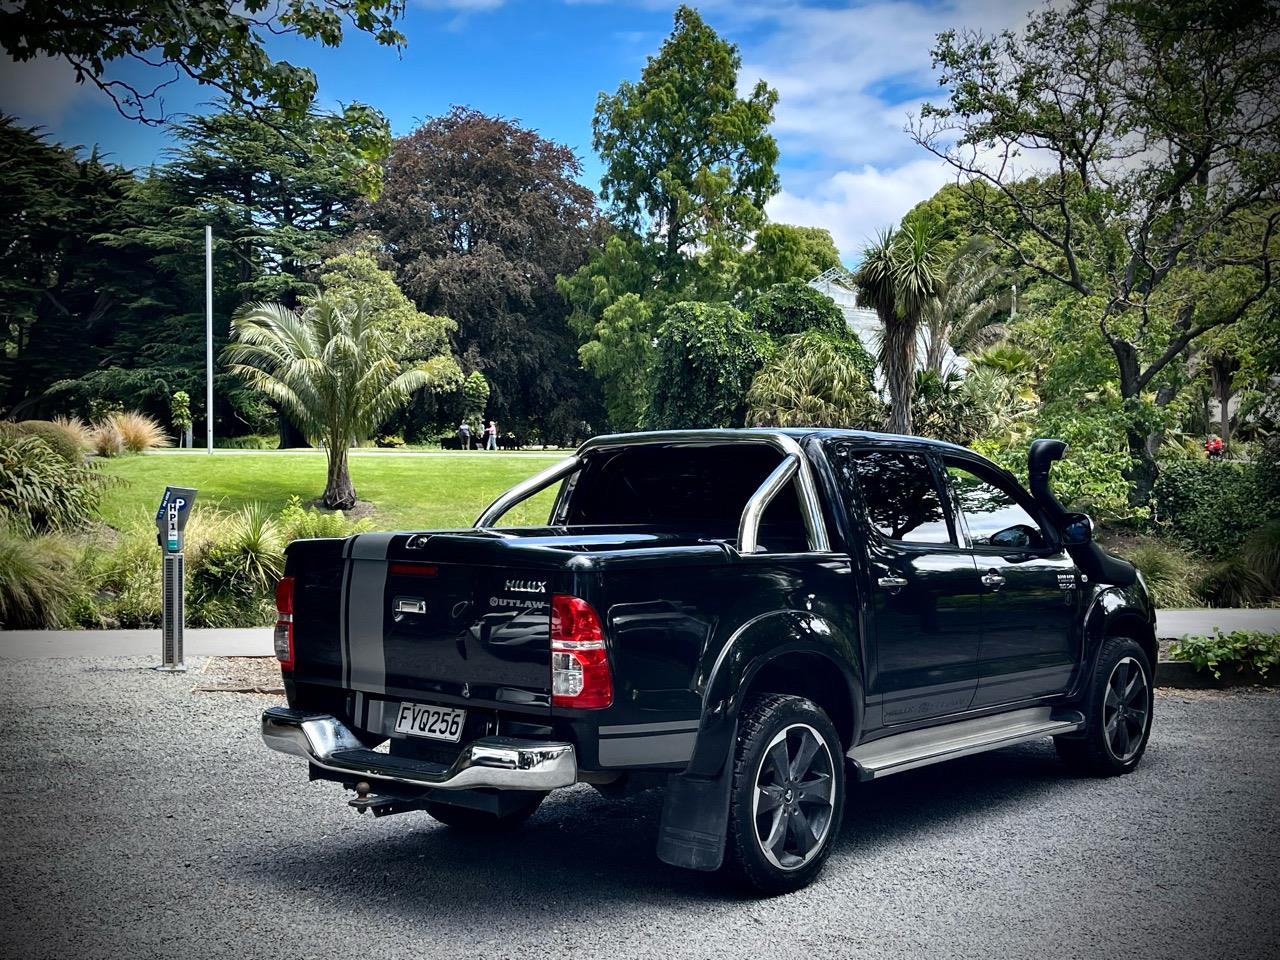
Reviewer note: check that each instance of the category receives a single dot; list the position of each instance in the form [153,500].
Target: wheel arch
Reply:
[792,652]
[1113,612]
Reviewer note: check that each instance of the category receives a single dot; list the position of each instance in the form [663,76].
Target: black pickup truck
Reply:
[747,618]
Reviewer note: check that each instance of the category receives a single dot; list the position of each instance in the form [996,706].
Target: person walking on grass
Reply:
[464,436]
[491,436]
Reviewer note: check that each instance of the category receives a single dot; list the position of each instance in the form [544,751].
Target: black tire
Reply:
[1118,707]
[481,821]
[806,821]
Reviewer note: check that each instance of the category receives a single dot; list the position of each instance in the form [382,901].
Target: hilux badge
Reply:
[525,586]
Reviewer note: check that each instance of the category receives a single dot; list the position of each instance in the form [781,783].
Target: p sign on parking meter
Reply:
[172,515]
[171,521]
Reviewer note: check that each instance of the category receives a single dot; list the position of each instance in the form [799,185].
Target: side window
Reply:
[898,489]
[992,513]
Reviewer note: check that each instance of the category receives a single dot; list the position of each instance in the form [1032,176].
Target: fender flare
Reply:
[1113,610]
[752,647]
[695,811]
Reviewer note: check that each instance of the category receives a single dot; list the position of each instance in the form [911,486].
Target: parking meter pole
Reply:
[171,521]
[172,614]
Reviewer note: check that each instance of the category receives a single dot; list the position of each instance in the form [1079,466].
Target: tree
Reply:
[1159,130]
[900,272]
[330,369]
[706,357]
[412,336]
[781,253]
[815,379]
[794,307]
[278,189]
[687,161]
[217,43]
[965,312]
[480,215]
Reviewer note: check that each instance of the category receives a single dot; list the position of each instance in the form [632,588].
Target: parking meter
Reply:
[171,522]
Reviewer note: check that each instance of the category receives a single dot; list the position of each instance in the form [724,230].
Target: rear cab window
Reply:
[701,490]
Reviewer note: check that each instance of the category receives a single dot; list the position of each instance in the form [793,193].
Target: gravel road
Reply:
[143,820]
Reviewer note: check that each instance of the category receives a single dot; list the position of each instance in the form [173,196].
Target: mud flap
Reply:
[695,819]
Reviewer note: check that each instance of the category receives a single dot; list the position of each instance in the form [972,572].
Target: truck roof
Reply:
[730,434]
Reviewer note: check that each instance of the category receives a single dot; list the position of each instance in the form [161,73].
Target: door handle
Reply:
[993,580]
[892,584]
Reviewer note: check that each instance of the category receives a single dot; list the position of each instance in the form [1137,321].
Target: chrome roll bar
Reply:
[749,525]
[525,489]
[794,465]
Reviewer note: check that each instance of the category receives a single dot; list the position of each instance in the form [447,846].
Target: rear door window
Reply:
[899,492]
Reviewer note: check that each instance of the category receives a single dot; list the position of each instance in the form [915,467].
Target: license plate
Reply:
[434,723]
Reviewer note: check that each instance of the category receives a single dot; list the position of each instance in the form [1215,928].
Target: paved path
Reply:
[29,644]
[1171,624]
[142,820]
[256,642]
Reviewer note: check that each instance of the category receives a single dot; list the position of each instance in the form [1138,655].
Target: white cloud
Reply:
[42,87]
[847,80]
[855,204]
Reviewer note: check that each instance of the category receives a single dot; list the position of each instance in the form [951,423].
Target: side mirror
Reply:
[1017,537]
[1077,530]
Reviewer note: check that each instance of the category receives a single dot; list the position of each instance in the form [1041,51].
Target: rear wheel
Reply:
[1118,709]
[482,821]
[788,793]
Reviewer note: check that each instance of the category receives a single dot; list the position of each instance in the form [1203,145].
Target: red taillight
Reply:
[284,623]
[579,662]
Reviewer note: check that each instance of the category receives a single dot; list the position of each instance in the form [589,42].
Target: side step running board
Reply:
[919,748]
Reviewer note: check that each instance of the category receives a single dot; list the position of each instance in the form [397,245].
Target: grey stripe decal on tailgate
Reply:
[367,665]
[343,594]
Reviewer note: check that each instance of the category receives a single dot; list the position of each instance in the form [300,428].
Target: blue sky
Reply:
[848,74]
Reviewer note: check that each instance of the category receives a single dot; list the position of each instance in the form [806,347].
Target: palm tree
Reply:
[330,369]
[959,316]
[900,272]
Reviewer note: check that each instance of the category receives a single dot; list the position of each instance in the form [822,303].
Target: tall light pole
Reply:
[208,338]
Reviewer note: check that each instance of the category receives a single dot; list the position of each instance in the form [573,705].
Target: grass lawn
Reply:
[408,492]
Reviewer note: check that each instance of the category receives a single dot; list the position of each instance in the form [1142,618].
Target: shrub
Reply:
[814,380]
[299,523]
[1210,507]
[250,441]
[40,491]
[1171,575]
[233,569]
[706,356]
[125,580]
[37,584]
[794,307]
[63,438]
[139,432]
[1251,577]
[1240,649]
[106,439]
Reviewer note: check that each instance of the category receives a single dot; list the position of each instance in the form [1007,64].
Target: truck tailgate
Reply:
[445,619]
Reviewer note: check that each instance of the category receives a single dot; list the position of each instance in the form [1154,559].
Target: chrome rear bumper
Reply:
[502,763]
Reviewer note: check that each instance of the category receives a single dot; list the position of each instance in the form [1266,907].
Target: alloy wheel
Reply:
[1125,708]
[793,803]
